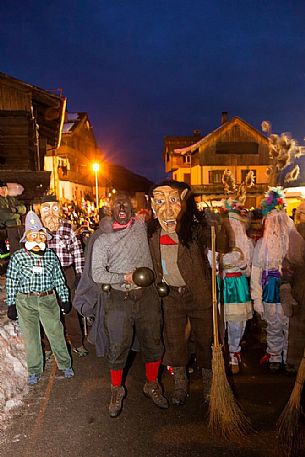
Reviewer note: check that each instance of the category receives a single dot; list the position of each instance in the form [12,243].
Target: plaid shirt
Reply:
[20,276]
[67,247]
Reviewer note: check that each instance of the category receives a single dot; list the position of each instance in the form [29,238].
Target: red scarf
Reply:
[166,239]
[117,226]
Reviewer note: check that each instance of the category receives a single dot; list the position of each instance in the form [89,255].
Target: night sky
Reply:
[144,69]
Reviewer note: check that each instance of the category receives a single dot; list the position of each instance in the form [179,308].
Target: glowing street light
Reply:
[96,168]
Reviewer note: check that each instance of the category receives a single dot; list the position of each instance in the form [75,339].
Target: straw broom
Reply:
[225,416]
[289,423]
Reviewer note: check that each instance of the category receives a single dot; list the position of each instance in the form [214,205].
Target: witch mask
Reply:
[166,204]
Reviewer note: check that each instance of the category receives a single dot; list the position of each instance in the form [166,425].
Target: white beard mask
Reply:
[29,245]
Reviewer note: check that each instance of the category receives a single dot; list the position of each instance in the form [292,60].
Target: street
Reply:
[69,417]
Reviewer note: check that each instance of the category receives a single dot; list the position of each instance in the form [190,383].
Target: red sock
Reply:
[152,369]
[116,377]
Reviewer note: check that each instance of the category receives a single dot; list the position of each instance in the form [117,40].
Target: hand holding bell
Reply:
[143,277]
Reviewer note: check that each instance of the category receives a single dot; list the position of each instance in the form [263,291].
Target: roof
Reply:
[126,180]
[217,132]
[72,120]
[49,105]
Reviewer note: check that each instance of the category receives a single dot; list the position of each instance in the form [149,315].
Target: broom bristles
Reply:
[225,416]
[289,422]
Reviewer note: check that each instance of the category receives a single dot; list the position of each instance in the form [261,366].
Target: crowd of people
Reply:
[145,284]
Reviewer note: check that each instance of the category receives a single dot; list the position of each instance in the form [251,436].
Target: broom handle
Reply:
[214,289]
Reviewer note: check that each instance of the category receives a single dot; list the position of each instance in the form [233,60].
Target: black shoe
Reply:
[116,402]
[153,391]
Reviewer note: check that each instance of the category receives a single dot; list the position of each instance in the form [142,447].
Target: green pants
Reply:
[31,311]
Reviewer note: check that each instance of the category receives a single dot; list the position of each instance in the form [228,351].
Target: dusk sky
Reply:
[145,69]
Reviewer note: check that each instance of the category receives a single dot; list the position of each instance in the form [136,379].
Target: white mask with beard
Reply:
[29,245]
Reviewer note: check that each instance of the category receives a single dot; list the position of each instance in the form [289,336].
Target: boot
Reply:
[234,362]
[207,381]
[153,391]
[181,386]
[116,401]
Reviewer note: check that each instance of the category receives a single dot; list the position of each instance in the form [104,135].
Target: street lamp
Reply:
[96,167]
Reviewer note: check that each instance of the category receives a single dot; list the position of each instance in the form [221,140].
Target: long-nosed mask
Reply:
[50,215]
[166,204]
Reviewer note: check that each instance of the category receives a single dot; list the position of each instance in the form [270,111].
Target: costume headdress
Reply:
[234,204]
[274,200]
[33,223]
[277,227]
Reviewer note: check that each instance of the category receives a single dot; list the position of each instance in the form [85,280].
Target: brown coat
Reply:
[194,305]
[193,265]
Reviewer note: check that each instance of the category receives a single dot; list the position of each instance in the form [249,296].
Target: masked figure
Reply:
[269,286]
[33,276]
[178,243]
[69,251]
[235,269]
[128,308]
[11,211]
[296,337]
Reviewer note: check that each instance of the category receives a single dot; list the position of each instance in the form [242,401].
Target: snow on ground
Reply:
[13,369]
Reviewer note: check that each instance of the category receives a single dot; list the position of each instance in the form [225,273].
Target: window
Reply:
[167,157]
[237,147]
[187,159]
[187,178]
[244,174]
[215,176]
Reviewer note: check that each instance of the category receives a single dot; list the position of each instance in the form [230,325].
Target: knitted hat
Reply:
[274,200]
[32,223]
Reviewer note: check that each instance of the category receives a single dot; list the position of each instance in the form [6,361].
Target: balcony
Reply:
[217,189]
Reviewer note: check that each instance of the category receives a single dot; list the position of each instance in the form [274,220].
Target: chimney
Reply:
[224,117]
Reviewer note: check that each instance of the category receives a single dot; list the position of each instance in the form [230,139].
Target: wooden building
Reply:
[31,121]
[236,146]
[72,176]
[174,161]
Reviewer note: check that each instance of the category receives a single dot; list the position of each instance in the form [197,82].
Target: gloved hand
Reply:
[65,306]
[12,312]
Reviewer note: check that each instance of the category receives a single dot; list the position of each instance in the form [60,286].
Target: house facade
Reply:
[31,121]
[236,146]
[71,165]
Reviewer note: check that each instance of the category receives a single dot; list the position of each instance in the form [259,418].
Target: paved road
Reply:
[69,417]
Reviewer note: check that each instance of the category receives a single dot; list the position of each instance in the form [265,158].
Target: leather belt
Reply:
[180,289]
[39,294]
